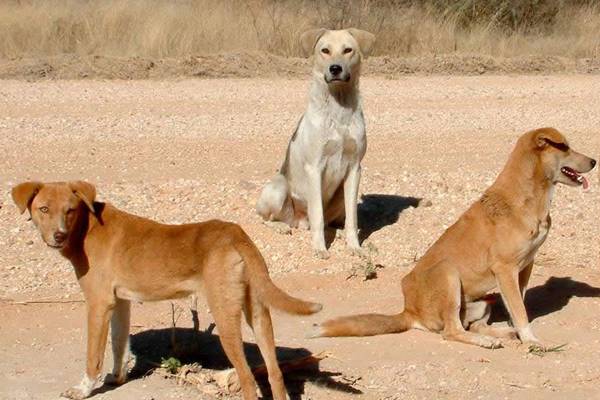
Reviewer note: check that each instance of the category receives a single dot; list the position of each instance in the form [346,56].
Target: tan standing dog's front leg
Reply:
[119,333]
[98,316]
[351,184]
[508,282]
[316,218]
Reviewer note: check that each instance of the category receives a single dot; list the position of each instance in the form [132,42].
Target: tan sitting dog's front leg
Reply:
[98,316]
[508,282]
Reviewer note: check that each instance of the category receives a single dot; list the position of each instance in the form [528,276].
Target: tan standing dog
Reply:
[119,257]
[493,244]
[319,179]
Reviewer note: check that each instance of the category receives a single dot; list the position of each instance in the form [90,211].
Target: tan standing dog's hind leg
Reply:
[119,332]
[259,318]
[98,315]
[225,296]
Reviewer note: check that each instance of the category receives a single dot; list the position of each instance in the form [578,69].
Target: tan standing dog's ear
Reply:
[86,192]
[365,40]
[24,193]
[309,40]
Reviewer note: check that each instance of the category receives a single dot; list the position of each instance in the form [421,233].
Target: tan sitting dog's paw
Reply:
[74,393]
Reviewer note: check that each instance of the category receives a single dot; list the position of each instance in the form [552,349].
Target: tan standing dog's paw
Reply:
[115,380]
[74,393]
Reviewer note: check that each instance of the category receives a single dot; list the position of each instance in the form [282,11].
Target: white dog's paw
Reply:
[280,227]
[322,254]
[74,393]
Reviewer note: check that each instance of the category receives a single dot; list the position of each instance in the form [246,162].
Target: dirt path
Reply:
[191,150]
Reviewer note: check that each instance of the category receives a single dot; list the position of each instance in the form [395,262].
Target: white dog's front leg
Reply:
[316,218]
[351,184]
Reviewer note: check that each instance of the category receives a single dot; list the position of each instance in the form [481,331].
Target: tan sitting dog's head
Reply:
[560,163]
[55,207]
[337,53]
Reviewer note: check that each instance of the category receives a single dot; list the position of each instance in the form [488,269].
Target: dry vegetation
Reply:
[175,28]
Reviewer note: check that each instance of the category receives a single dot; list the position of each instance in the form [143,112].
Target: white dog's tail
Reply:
[260,282]
[272,198]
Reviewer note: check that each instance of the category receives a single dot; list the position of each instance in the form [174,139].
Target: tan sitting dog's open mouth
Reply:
[575,176]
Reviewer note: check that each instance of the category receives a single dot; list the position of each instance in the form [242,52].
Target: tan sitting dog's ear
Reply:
[365,40]
[309,40]
[550,136]
[86,192]
[24,193]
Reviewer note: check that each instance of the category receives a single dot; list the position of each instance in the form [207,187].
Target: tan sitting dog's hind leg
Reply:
[476,318]
[453,327]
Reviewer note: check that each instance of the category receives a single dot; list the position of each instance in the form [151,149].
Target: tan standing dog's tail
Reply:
[363,325]
[271,295]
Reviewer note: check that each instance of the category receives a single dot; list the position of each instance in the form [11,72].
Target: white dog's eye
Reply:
[347,50]
[44,209]
[325,50]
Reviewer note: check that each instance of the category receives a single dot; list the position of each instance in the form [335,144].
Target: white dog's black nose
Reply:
[335,69]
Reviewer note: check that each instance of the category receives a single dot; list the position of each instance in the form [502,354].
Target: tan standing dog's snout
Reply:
[54,207]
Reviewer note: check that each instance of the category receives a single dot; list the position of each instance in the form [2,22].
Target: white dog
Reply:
[320,175]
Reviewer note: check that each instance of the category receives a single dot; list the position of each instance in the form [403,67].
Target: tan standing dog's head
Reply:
[55,207]
[560,163]
[337,53]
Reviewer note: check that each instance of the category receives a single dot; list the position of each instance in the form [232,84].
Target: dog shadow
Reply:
[376,211]
[547,298]
[204,348]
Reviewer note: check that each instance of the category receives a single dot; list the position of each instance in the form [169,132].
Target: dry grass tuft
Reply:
[175,28]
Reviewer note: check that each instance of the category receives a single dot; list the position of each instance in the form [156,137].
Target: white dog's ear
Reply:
[365,40]
[309,39]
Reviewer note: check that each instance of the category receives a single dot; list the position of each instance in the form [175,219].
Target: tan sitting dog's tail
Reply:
[363,325]
[268,293]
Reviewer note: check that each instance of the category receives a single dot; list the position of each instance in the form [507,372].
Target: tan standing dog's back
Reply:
[119,257]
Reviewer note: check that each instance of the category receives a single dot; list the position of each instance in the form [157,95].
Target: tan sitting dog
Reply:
[119,257]
[493,244]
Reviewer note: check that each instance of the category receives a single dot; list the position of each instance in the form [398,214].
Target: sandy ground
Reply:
[191,150]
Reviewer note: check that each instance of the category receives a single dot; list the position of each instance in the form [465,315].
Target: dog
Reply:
[493,244]
[318,182]
[119,258]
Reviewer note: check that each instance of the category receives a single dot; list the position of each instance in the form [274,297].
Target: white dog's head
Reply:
[337,53]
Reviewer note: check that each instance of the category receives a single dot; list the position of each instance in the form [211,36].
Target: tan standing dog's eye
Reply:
[347,50]
[44,209]
[325,51]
